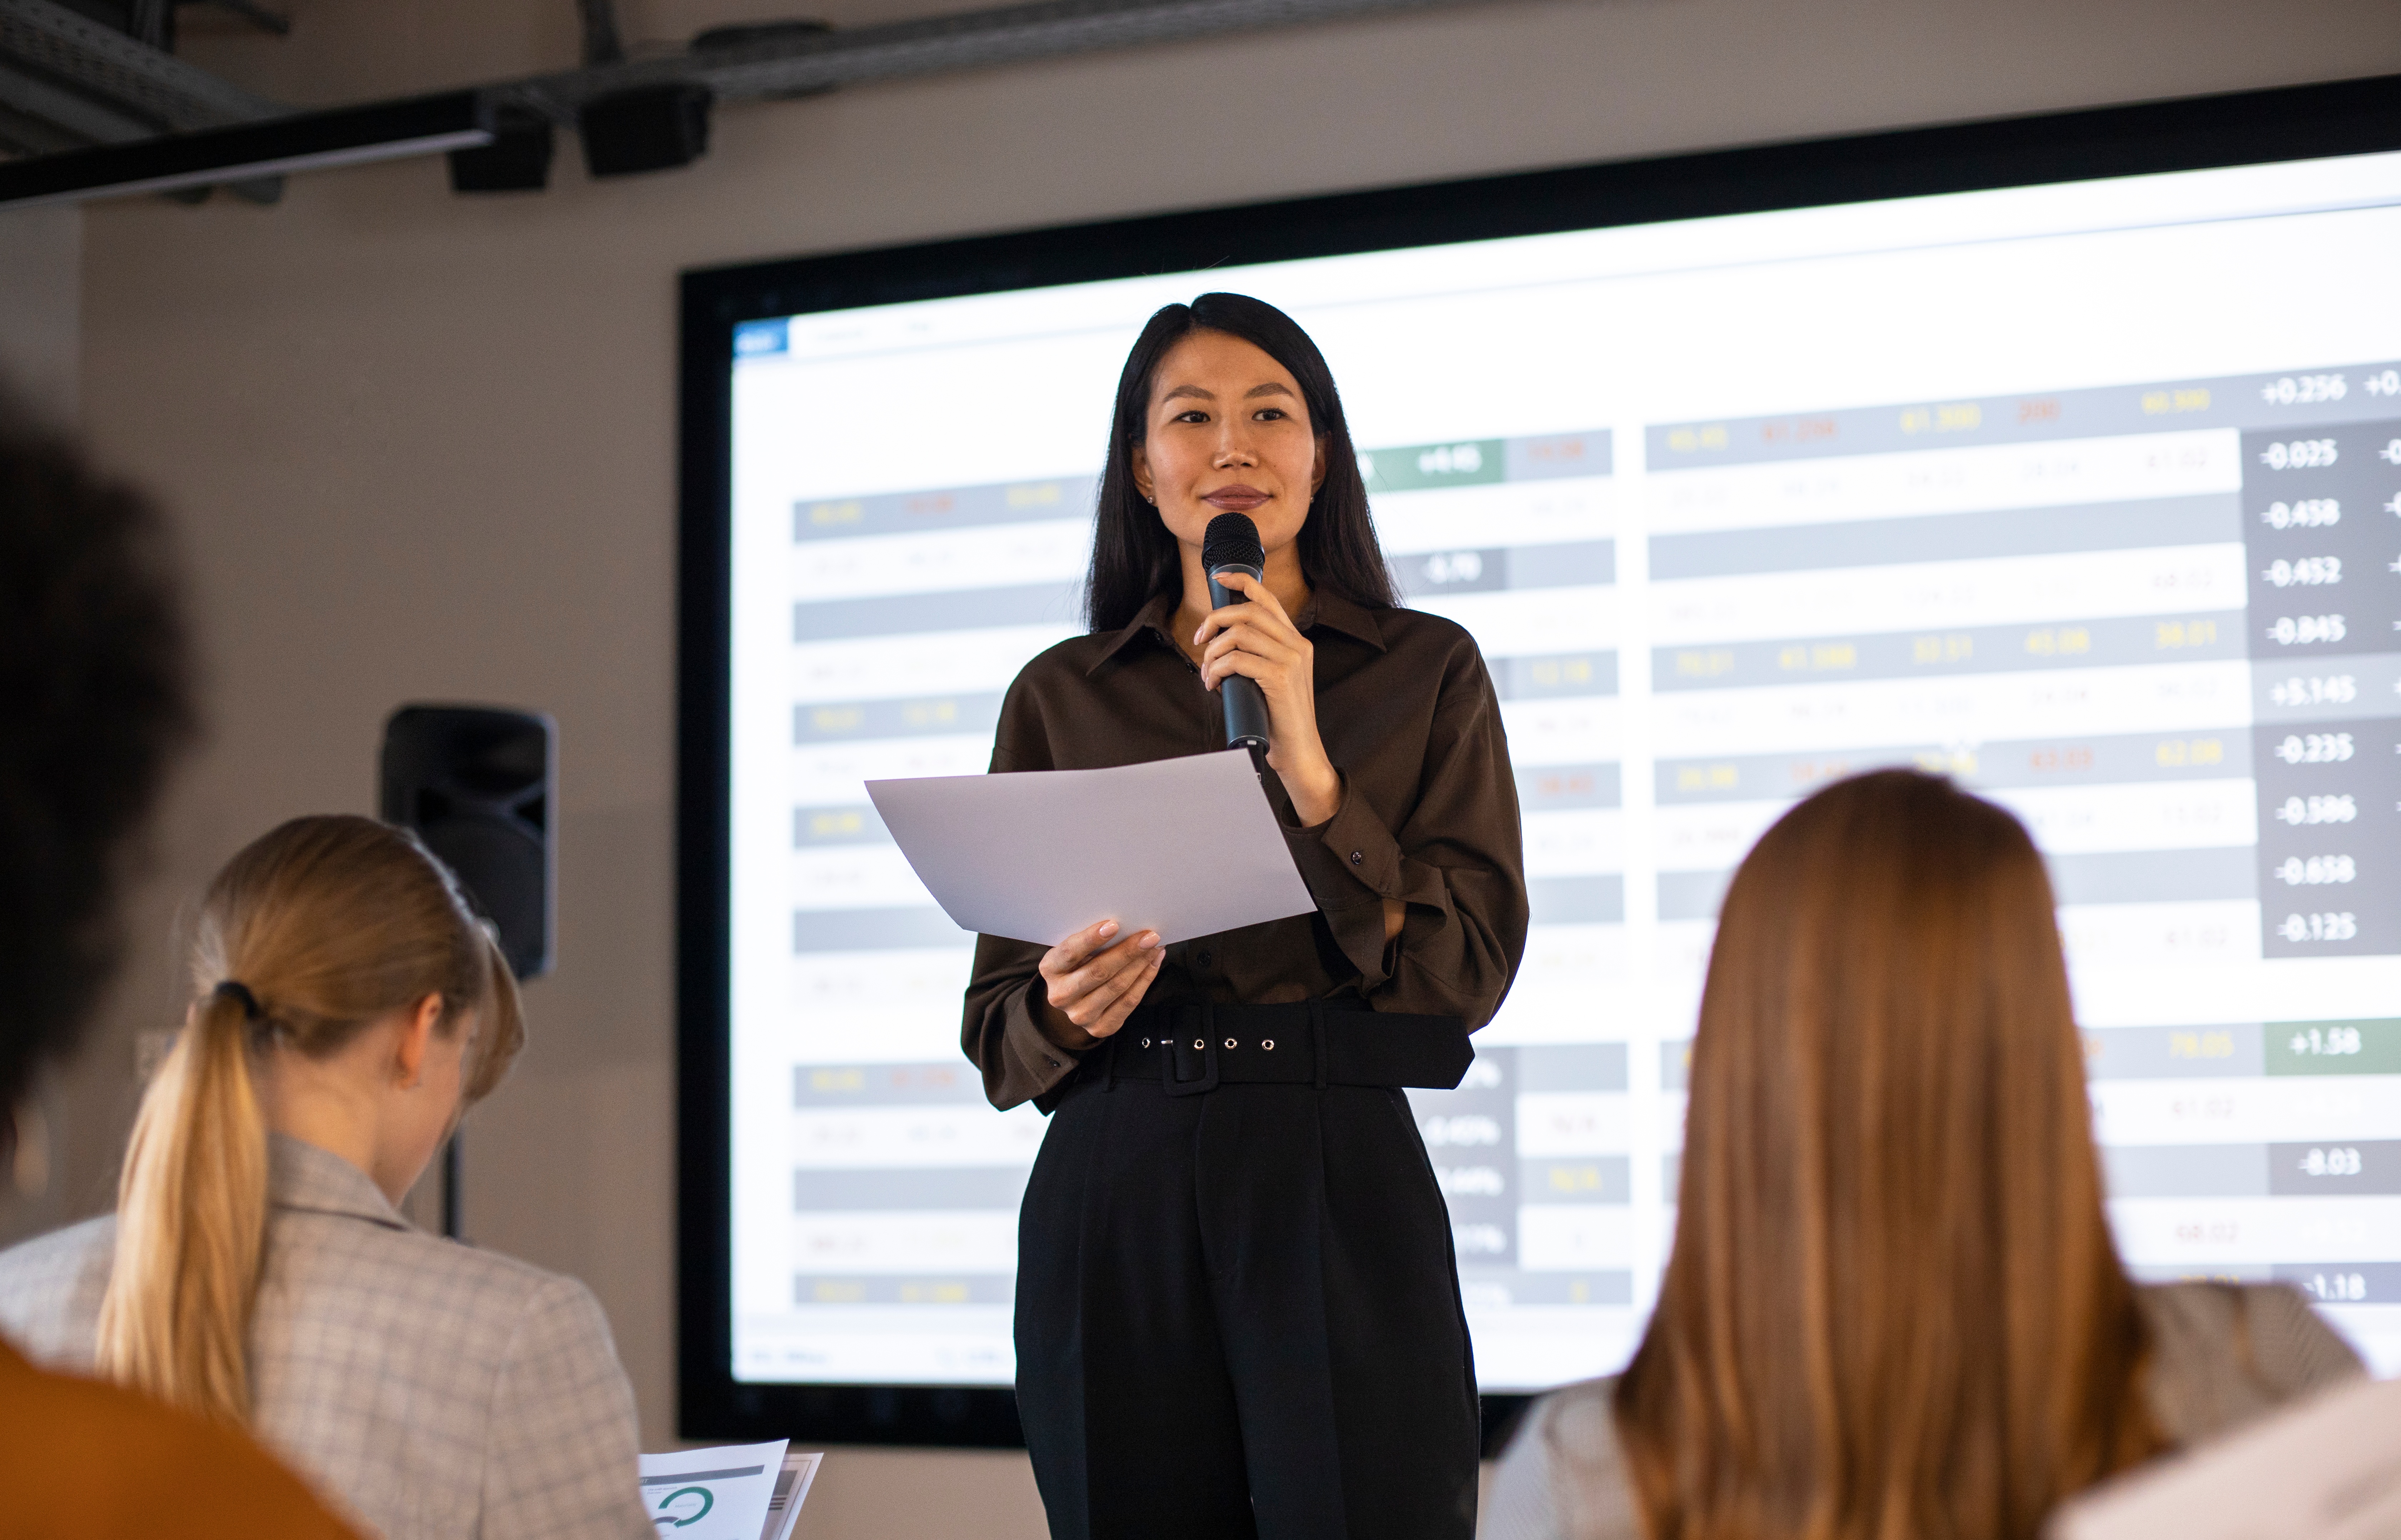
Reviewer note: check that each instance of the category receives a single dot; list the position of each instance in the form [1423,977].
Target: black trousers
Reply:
[1238,1314]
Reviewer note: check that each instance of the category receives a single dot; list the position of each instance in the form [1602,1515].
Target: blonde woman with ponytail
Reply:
[346,1009]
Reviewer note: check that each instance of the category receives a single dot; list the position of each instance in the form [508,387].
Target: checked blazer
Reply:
[422,1387]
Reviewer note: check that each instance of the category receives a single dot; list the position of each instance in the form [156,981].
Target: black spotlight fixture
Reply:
[654,128]
[516,160]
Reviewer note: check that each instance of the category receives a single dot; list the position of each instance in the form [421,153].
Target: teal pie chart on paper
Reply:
[674,1517]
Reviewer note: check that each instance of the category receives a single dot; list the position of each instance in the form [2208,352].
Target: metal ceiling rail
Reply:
[1006,35]
[227,134]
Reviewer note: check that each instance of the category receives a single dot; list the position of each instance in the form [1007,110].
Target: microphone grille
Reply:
[1231,540]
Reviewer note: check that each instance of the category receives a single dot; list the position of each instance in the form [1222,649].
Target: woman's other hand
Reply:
[1089,986]
[1260,641]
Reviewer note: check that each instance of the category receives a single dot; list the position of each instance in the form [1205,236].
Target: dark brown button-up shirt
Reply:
[1429,816]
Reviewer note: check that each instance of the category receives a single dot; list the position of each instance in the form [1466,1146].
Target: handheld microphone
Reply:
[1231,544]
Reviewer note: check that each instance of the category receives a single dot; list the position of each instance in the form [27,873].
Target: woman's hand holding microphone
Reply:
[1260,641]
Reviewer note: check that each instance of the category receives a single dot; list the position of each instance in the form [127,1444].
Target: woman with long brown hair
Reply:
[1238,1311]
[348,1007]
[1894,1310]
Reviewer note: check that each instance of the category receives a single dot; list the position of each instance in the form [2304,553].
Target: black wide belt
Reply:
[1192,1049]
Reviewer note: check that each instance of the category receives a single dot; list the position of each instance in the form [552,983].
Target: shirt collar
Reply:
[1324,608]
[1152,617]
[1328,608]
[301,1176]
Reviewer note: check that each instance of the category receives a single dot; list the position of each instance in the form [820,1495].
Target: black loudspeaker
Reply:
[654,128]
[475,783]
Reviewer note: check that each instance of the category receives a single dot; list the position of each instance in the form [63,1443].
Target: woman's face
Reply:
[1227,433]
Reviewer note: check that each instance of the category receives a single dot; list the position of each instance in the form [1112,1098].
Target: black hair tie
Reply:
[239,994]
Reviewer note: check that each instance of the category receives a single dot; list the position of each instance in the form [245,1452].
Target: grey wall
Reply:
[424,448]
[41,307]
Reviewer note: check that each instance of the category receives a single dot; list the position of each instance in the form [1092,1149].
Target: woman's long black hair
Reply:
[1134,555]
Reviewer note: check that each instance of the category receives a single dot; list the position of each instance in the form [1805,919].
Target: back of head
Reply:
[94,701]
[309,935]
[1894,1309]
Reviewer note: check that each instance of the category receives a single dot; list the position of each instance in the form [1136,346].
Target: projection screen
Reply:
[2085,493]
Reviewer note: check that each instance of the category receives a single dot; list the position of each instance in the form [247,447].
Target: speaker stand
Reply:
[453,1182]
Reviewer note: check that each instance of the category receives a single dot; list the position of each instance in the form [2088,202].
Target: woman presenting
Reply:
[1237,1308]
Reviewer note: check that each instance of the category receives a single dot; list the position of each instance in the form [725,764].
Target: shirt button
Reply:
[1356,856]
[1207,960]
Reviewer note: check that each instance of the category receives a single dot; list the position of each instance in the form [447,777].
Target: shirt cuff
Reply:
[1037,1064]
[1349,852]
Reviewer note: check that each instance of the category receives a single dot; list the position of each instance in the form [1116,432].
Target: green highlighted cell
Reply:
[1465,462]
[2332,1048]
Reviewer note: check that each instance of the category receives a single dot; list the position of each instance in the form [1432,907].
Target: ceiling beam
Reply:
[22,133]
[247,152]
[795,66]
[768,63]
[86,119]
[73,48]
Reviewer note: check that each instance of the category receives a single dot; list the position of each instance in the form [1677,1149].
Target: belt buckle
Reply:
[1205,1040]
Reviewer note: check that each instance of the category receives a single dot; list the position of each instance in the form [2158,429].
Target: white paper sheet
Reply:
[791,1490]
[1183,846]
[2328,1469]
[719,1494]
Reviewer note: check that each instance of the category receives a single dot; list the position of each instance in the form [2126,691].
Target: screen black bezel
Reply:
[2296,123]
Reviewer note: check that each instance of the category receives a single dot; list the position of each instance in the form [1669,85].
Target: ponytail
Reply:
[308,935]
[191,1223]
